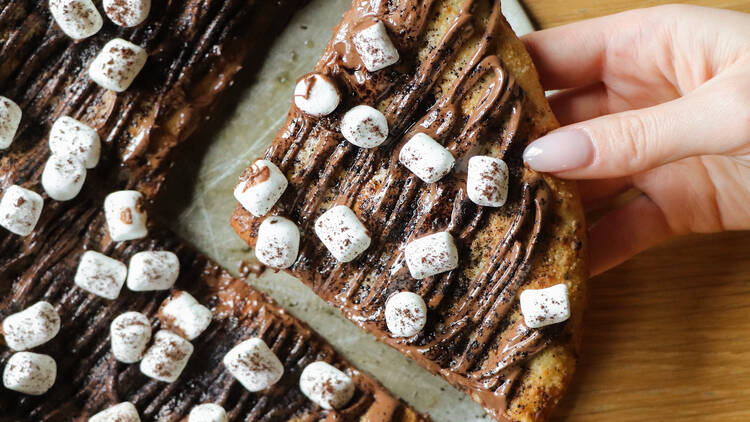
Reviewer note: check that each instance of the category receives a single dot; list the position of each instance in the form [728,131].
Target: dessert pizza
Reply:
[106,316]
[396,191]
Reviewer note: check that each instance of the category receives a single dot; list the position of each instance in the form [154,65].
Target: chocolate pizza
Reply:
[397,192]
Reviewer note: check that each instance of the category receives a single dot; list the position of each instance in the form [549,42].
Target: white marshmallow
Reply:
[10,118]
[117,65]
[101,275]
[278,242]
[261,185]
[78,19]
[185,315]
[364,126]
[375,47]
[34,326]
[127,13]
[544,307]
[342,233]
[208,412]
[30,373]
[167,357]
[153,270]
[487,181]
[20,210]
[70,137]
[426,158]
[326,386]
[63,177]
[254,365]
[129,335]
[405,314]
[316,95]
[430,255]
[126,215]
[123,412]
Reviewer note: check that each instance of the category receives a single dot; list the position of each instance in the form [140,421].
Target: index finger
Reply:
[575,54]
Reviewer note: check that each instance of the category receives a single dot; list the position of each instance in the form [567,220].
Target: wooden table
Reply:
[667,335]
[549,13]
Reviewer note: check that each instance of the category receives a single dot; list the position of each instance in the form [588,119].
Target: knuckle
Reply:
[632,133]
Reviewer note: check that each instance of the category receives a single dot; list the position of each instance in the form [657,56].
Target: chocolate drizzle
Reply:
[255,174]
[45,72]
[475,337]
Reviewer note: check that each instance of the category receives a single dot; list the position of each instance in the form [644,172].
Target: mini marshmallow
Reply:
[34,326]
[123,412]
[10,118]
[342,233]
[430,255]
[185,315]
[129,335]
[544,307]
[78,19]
[126,215]
[426,158]
[153,270]
[208,412]
[30,373]
[117,65]
[20,210]
[127,13]
[326,386]
[487,181]
[405,314]
[254,365]
[63,177]
[101,275]
[316,95]
[364,126]
[70,137]
[375,47]
[261,185]
[278,242]
[167,357]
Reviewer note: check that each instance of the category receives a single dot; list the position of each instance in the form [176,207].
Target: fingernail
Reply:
[566,149]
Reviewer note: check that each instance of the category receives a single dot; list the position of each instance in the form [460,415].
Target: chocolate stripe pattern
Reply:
[195,50]
[474,336]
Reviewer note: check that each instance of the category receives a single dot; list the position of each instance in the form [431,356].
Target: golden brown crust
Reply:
[553,369]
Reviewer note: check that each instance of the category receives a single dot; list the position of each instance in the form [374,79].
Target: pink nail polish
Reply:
[562,150]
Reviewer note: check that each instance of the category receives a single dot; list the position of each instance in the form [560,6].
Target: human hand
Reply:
[654,99]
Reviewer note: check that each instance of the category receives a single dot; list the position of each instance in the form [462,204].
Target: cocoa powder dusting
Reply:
[126,216]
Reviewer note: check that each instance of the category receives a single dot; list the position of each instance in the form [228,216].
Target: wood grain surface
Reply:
[549,13]
[667,334]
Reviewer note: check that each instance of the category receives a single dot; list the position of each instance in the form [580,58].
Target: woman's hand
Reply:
[659,100]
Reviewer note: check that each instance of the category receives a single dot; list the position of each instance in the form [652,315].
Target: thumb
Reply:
[626,143]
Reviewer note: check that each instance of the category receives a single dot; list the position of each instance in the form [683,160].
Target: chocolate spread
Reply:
[473,337]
